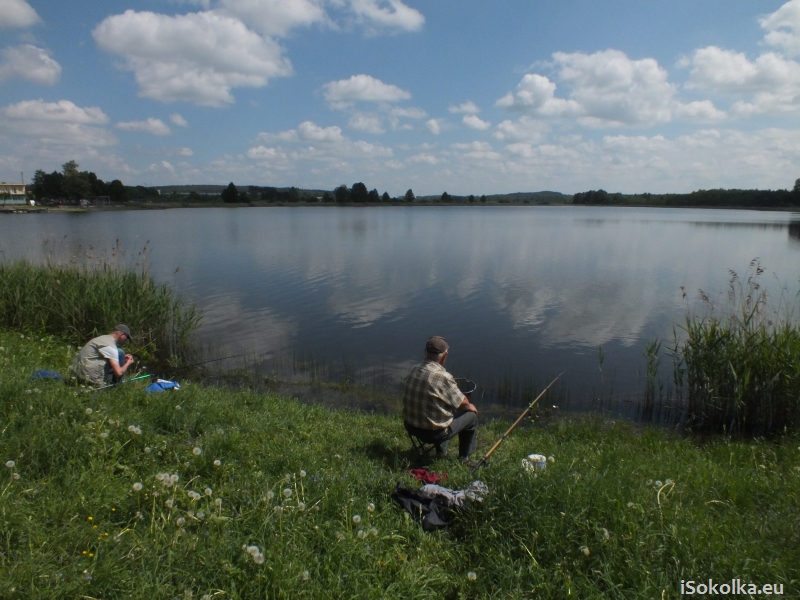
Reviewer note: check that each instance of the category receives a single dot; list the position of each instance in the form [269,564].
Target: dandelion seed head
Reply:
[373,532]
[606,534]
[649,482]
[551,459]
[197,451]
[371,507]
[168,503]
[302,473]
[148,449]
[180,521]
[278,510]
[356,519]
[139,515]
[131,428]
[15,476]
[585,551]
[201,515]
[270,495]
[340,536]
[258,559]
[88,411]
[137,487]
[361,534]
[177,407]
[669,482]
[306,575]
[218,502]
[104,435]
[208,492]
[11,464]
[217,463]
[287,493]
[631,505]
[301,506]
[174,478]
[658,483]
[252,550]
[472,575]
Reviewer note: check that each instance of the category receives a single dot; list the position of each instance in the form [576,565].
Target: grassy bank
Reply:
[622,512]
[78,303]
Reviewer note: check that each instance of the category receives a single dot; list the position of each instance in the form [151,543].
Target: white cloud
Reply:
[39,126]
[387,14]
[475,122]
[410,113]
[535,94]
[185,152]
[434,126]
[525,129]
[311,132]
[423,157]
[703,111]
[17,13]
[773,80]
[613,89]
[197,57]
[467,108]
[783,27]
[178,120]
[29,62]
[62,111]
[362,88]
[275,17]
[367,123]
[262,153]
[152,125]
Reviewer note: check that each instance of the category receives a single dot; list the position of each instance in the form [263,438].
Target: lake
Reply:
[520,293]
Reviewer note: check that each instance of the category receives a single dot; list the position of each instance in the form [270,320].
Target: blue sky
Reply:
[461,96]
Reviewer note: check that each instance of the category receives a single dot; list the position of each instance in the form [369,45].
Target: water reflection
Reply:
[519,292]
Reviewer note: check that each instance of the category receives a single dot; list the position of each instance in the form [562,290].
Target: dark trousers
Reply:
[464,425]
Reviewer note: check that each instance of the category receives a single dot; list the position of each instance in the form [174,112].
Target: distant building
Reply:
[13,193]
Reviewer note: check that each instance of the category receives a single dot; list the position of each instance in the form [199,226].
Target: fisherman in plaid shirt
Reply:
[434,409]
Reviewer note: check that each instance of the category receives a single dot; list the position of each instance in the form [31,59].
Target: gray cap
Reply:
[122,328]
[436,345]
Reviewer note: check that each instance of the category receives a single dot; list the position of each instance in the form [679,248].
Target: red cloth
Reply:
[426,477]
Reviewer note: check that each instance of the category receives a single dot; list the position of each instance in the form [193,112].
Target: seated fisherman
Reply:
[434,409]
[100,362]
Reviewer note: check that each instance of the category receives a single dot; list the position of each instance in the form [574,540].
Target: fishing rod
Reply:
[517,422]
[147,375]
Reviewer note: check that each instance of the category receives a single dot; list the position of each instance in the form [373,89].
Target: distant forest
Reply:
[71,185]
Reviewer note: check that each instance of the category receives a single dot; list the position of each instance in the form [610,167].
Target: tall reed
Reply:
[81,302]
[740,372]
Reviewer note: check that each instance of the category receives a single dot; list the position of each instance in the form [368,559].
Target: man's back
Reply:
[90,364]
[431,396]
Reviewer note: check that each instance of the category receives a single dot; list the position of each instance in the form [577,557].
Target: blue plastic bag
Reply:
[162,385]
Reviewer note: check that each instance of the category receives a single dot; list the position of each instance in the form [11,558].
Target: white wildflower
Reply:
[472,576]
[631,505]
[15,476]
[658,483]
[551,459]
[104,435]
[585,550]
[201,515]
[669,482]
[88,411]
[137,487]
[302,473]
[218,502]
[356,519]
[371,507]
[217,463]
[11,464]
[168,503]
[148,449]
[258,559]
[270,495]
[373,531]
[606,534]
[301,506]
[287,493]
[252,550]
[208,492]
[648,482]
[177,407]
[361,534]
[306,575]
[174,478]
[278,510]
[197,451]
[180,521]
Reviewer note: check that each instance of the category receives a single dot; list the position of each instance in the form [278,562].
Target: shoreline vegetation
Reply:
[72,188]
[221,492]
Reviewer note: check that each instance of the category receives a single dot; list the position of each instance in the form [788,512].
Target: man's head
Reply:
[122,333]
[436,349]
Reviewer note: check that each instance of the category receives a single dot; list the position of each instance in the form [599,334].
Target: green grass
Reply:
[738,366]
[82,302]
[595,524]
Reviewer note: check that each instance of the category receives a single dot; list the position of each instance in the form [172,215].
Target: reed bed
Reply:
[740,372]
[80,302]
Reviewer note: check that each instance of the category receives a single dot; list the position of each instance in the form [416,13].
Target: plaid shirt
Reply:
[430,397]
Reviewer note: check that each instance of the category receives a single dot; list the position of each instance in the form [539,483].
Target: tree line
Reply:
[73,184]
[708,198]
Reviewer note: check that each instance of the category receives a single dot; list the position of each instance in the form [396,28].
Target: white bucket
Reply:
[534,462]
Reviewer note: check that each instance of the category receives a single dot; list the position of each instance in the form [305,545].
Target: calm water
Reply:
[521,293]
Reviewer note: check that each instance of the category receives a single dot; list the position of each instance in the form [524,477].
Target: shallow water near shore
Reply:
[520,293]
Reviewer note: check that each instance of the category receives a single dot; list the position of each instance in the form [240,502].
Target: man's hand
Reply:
[128,359]
[467,405]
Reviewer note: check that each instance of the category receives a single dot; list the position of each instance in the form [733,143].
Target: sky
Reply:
[463,96]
